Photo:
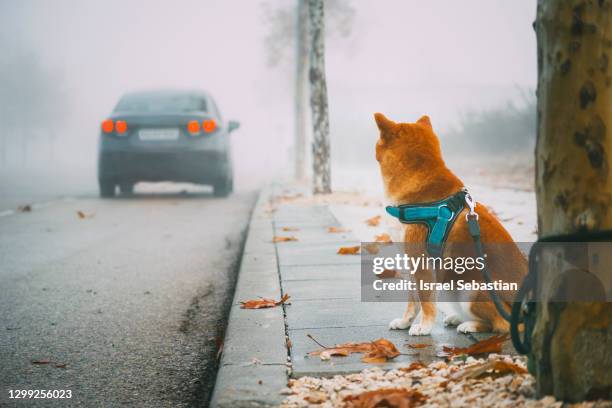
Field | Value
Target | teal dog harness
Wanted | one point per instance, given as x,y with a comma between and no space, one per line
438,216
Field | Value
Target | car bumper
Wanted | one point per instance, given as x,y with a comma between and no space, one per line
203,167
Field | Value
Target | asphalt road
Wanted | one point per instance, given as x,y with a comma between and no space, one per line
130,298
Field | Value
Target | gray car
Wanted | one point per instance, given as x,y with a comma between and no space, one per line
165,136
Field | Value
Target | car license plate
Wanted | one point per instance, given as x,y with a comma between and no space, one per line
158,134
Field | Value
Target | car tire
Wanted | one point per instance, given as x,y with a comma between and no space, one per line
223,188
107,189
126,188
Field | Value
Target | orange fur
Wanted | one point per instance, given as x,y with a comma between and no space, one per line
413,171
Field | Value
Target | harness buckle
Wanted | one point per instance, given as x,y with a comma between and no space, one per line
469,201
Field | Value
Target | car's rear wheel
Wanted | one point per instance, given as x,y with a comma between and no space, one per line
107,188
224,188
126,188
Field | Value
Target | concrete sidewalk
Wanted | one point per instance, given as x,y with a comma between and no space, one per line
325,303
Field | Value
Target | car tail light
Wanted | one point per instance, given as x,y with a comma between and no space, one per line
108,126
209,125
193,127
121,126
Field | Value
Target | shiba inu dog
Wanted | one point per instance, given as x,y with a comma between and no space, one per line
413,171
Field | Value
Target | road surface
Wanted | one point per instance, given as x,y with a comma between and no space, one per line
130,298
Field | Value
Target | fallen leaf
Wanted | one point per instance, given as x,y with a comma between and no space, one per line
60,365
337,230
417,365
263,303
491,345
289,229
382,351
41,362
377,351
374,221
384,237
284,239
353,250
385,397
372,248
389,273
316,397
493,368
418,345
82,215
24,208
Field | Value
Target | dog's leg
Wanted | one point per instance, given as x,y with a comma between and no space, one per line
485,319
427,300
404,322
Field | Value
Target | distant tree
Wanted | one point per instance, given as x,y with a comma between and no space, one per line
321,165
510,128
30,102
288,37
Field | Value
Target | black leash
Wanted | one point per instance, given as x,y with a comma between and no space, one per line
520,313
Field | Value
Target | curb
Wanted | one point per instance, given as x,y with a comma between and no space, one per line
253,366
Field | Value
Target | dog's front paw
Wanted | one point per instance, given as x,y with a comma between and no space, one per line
452,320
400,324
473,326
420,329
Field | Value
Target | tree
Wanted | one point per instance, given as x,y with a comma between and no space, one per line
318,100
288,36
571,341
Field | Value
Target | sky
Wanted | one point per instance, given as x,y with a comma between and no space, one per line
403,57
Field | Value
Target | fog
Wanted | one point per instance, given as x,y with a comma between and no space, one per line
66,62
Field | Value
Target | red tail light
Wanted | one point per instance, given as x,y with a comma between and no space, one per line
121,126
209,125
108,126
193,127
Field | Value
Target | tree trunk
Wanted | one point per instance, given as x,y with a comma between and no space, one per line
571,341
318,100
301,90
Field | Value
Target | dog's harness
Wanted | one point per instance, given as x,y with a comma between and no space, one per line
438,216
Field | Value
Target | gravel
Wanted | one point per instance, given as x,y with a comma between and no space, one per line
442,384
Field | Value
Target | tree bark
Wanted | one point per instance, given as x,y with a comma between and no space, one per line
571,341
301,90
318,100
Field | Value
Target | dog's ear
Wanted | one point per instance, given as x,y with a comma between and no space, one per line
383,123
424,121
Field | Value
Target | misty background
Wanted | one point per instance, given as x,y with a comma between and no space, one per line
470,65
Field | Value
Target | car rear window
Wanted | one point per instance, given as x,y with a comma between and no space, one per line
155,103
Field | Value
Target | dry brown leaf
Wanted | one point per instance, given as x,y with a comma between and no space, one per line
384,237
372,248
378,351
24,208
389,273
374,221
418,345
353,250
336,230
385,397
41,362
417,365
316,397
289,229
283,239
491,345
493,368
82,215
382,351
263,303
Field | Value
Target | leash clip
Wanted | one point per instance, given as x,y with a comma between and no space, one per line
469,201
